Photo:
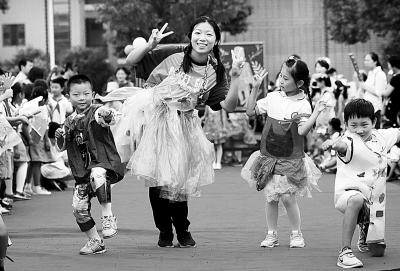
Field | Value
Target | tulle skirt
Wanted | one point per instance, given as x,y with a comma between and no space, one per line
299,183
172,153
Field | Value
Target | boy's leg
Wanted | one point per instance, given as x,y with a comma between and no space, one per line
350,203
102,188
162,217
81,210
354,205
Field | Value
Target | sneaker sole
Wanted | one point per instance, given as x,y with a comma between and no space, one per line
165,246
97,252
298,246
274,245
188,246
110,236
349,266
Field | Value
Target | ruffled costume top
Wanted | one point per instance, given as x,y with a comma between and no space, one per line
281,165
162,131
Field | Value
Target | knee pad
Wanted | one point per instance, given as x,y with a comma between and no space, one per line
101,185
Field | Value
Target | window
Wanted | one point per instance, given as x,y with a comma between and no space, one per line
94,33
13,35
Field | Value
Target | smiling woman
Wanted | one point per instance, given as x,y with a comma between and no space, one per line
170,150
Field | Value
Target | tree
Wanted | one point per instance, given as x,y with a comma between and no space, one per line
36,55
126,20
352,21
4,6
91,62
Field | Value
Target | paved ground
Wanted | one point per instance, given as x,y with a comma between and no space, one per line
228,223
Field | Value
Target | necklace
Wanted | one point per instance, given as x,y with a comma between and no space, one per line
201,91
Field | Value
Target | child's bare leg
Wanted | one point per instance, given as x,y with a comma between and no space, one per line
271,210
93,234
293,211
219,153
21,176
354,205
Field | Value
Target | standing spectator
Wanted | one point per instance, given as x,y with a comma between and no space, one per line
121,80
59,106
373,88
24,66
70,70
215,129
35,73
392,91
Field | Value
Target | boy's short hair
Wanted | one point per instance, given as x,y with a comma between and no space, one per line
359,108
59,80
78,79
394,61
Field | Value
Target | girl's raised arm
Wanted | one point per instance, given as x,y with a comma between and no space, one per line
251,102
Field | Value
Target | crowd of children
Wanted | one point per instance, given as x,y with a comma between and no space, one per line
156,133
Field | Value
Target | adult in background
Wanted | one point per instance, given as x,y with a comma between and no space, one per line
121,80
392,91
373,88
24,66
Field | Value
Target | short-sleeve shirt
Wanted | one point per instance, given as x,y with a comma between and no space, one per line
376,143
172,56
279,106
59,109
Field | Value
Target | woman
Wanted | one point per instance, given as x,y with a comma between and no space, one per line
392,91
173,155
121,80
374,86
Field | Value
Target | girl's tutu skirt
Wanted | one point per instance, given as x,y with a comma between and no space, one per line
303,176
170,150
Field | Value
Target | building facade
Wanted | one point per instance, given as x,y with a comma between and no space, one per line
285,26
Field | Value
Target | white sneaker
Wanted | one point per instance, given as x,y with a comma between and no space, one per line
109,226
38,190
4,211
271,240
347,259
297,240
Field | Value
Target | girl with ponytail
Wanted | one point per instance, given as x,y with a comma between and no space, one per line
281,168
170,150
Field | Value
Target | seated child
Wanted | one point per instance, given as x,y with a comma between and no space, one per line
94,161
360,185
334,131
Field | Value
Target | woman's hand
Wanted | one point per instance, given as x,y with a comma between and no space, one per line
157,36
259,78
237,64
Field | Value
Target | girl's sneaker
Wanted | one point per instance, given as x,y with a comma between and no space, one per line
347,259
297,240
93,246
21,196
271,240
38,190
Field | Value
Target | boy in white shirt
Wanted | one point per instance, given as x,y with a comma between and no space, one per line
59,106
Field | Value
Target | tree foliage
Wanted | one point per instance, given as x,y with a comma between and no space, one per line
91,62
4,6
126,20
352,21
36,55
